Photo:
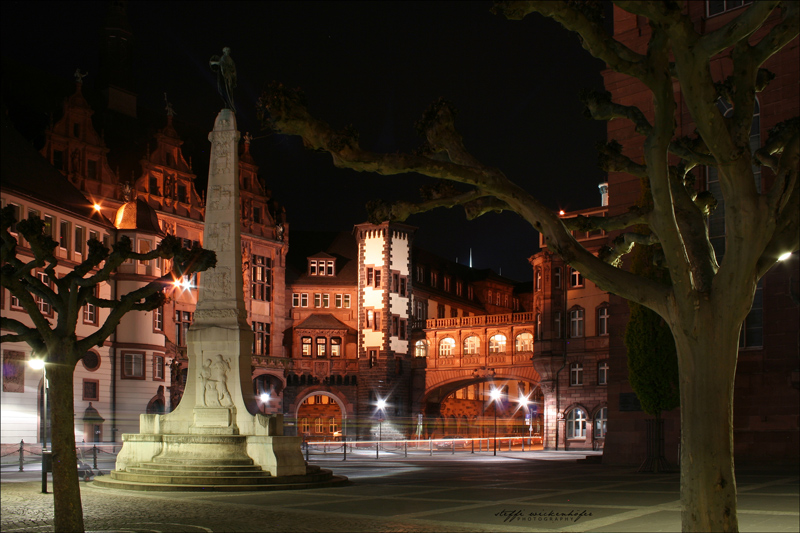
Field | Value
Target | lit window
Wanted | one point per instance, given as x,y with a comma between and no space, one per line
602,373
312,267
497,344
262,278
576,323
306,343
90,311
318,425
332,425
336,346
447,347
576,424
329,268
420,349
322,344
575,374
338,301
304,427
524,342
600,419
602,321
347,301
158,319
44,307
261,331
472,345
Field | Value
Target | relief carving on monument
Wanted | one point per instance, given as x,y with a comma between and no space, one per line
221,197
214,380
217,281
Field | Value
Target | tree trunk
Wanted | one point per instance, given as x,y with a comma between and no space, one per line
708,366
66,487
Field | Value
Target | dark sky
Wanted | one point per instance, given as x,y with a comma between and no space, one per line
376,65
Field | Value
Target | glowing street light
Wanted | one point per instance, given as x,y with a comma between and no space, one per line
264,400
38,364
495,394
523,402
96,207
784,256
381,407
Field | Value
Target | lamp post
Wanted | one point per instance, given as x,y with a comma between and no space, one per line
523,401
38,364
495,394
381,408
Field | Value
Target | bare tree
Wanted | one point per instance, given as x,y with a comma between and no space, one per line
57,343
707,300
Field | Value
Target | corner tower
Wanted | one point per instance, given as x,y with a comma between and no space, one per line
384,313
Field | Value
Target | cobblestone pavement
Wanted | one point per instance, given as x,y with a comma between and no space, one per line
531,491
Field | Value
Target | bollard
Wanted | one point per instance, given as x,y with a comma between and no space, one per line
453,446
377,446
344,446
307,447
473,445
523,444
21,454
94,456
405,448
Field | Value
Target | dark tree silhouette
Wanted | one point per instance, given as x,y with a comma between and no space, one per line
57,343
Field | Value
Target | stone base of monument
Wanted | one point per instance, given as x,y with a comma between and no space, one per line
214,463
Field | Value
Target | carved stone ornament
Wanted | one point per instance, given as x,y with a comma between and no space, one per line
214,380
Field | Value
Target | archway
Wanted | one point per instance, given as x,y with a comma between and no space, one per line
321,415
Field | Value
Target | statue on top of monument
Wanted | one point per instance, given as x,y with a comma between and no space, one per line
226,76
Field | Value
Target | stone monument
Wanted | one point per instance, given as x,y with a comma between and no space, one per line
216,427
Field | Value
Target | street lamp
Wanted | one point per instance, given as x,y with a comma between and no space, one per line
38,364
524,401
381,408
495,394
264,401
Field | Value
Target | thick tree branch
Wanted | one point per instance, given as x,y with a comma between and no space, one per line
737,29
593,36
779,35
777,139
623,244
475,203
635,215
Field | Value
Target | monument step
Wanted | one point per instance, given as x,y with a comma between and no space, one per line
192,479
202,462
204,467
196,472
298,483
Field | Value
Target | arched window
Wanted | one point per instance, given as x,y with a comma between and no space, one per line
421,349
576,424
472,345
497,344
524,342
576,323
602,321
600,418
447,347
538,279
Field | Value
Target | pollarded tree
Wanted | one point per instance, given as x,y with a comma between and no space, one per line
57,343
707,299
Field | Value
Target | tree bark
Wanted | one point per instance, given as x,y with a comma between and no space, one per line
66,486
708,366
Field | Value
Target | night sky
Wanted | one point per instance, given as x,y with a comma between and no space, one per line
376,65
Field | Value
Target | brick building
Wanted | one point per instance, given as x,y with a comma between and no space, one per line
766,390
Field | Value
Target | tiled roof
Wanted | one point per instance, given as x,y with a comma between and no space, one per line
322,321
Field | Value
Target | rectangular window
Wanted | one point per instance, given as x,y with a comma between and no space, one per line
13,371
576,279
602,321
440,311
717,7
317,299
48,225
182,196
470,292
557,278
377,278
318,426
94,236
79,240
158,368
403,327
257,214
44,307
329,268
322,344
262,278
261,338
63,236
338,301
304,299
447,283
91,390
575,374
347,301
395,325
459,288
602,373
312,267
158,319
576,323
435,279
90,311
133,366
296,299
420,273
306,346
336,346
403,282
370,276
326,300
183,319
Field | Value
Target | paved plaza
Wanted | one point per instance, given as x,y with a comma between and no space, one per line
515,491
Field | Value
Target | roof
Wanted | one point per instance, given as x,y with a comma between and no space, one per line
137,215
323,321
340,246
25,172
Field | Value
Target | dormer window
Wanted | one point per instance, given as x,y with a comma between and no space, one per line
321,267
